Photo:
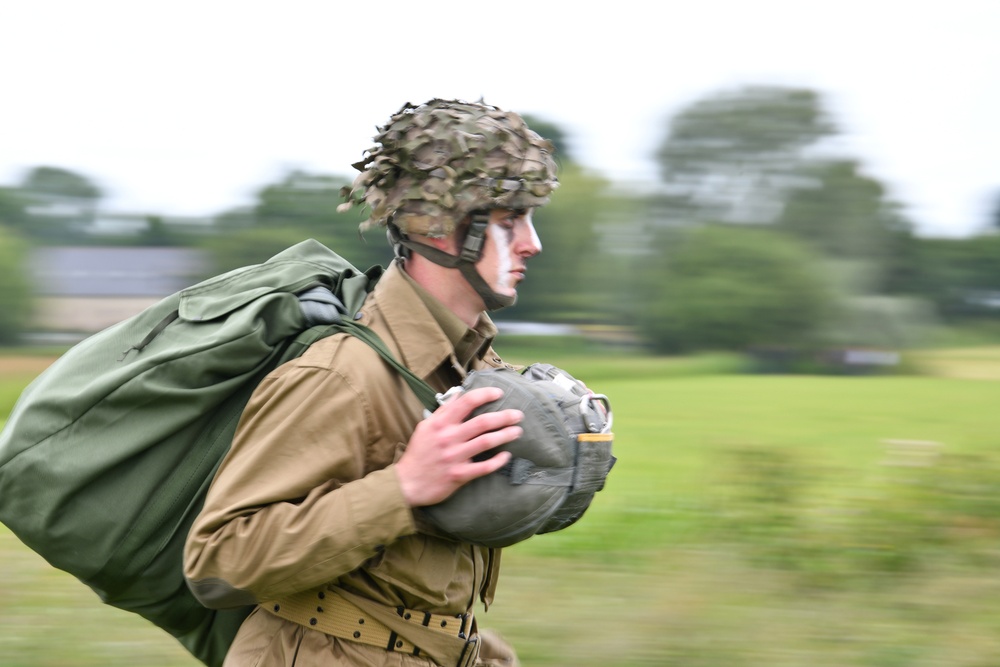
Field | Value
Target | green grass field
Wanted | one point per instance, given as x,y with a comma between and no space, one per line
750,520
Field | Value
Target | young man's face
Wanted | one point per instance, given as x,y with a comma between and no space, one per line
510,241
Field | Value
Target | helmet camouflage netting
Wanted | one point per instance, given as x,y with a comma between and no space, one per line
439,161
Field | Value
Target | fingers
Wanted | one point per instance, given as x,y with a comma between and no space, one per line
487,440
476,469
462,405
442,453
485,430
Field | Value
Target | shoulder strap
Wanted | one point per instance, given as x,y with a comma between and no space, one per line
424,392
322,307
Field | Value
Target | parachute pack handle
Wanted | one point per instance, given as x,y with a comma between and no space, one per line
141,345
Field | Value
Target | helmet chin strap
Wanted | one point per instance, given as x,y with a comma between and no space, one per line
465,261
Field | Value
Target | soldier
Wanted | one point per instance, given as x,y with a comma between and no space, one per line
313,514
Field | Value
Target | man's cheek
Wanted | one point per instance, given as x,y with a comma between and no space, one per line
501,238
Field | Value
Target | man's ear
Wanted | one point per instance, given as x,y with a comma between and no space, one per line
445,243
457,237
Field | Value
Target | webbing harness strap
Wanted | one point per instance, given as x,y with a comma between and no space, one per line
325,314
447,640
423,391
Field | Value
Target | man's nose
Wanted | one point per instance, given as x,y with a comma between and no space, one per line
529,244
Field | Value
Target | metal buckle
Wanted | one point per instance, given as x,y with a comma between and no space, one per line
470,653
606,402
450,394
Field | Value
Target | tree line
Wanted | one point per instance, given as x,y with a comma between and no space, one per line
754,238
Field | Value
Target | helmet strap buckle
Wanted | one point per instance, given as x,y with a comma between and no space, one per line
396,239
472,247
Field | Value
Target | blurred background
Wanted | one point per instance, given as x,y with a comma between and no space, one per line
776,246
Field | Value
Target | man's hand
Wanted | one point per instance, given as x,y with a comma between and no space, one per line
439,457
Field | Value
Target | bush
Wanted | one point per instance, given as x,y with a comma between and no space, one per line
918,509
15,288
731,288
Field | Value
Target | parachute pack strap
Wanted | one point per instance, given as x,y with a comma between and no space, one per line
423,391
594,461
523,471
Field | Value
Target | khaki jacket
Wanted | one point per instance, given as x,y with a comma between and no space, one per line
308,495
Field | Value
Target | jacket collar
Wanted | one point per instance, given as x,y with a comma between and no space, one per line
427,333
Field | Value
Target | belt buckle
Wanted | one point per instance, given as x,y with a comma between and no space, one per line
470,653
465,629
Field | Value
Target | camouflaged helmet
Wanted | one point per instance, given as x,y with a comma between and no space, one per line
437,162
557,465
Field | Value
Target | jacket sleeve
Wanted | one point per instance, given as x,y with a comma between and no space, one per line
292,506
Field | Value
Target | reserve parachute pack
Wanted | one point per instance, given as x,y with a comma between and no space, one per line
560,460
107,456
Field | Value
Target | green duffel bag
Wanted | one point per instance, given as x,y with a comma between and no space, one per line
107,456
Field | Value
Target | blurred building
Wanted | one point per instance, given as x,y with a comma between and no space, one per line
86,289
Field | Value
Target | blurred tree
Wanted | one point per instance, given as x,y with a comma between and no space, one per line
59,204
841,212
234,219
995,221
308,203
845,215
731,156
159,233
16,297
300,200
62,182
570,280
961,276
12,208
245,247
731,287
301,205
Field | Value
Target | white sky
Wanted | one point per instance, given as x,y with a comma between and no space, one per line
188,106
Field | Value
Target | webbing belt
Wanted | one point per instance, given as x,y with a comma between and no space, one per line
441,638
